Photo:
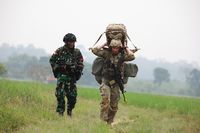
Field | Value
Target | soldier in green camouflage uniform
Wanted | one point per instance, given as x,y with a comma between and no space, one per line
67,66
109,89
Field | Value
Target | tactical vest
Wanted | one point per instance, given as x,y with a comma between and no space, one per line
108,71
101,67
65,57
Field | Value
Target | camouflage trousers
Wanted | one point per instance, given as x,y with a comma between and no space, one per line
110,96
65,88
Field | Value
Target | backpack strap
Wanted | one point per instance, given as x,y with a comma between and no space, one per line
131,41
98,39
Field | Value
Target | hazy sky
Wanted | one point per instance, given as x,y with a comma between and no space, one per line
163,29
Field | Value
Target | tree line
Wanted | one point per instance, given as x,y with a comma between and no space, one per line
27,67
30,63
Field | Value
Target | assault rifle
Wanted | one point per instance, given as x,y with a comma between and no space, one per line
118,79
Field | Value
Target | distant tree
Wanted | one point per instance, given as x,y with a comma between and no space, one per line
161,75
3,70
29,67
44,60
18,64
38,72
193,79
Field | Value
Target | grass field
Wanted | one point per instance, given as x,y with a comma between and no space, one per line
28,107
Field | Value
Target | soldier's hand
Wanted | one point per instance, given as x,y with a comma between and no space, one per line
55,67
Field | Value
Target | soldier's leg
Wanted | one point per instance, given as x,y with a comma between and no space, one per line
105,101
60,95
71,93
114,99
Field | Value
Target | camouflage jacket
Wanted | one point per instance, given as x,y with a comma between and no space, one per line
66,61
117,60
105,53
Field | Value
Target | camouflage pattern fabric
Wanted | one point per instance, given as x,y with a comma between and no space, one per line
65,88
63,57
110,96
66,63
109,89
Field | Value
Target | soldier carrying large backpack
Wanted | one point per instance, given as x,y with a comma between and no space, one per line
110,69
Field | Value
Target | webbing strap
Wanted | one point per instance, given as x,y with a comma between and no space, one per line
98,39
105,32
131,41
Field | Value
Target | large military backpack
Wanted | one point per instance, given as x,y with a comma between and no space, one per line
130,70
116,32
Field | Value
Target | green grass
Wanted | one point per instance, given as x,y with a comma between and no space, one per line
23,103
181,105
90,94
30,107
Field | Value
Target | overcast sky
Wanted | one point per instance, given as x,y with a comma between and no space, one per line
163,29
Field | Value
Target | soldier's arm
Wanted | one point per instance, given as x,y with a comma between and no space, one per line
80,60
129,55
53,59
99,51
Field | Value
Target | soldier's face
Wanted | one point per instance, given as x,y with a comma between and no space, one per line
71,44
115,50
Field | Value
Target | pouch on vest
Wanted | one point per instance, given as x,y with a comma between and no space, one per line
130,70
97,68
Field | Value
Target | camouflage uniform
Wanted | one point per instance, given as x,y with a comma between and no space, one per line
109,89
61,62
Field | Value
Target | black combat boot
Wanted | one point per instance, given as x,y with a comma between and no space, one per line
60,113
109,122
69,113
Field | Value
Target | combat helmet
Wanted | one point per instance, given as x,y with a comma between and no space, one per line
69,37
115,43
